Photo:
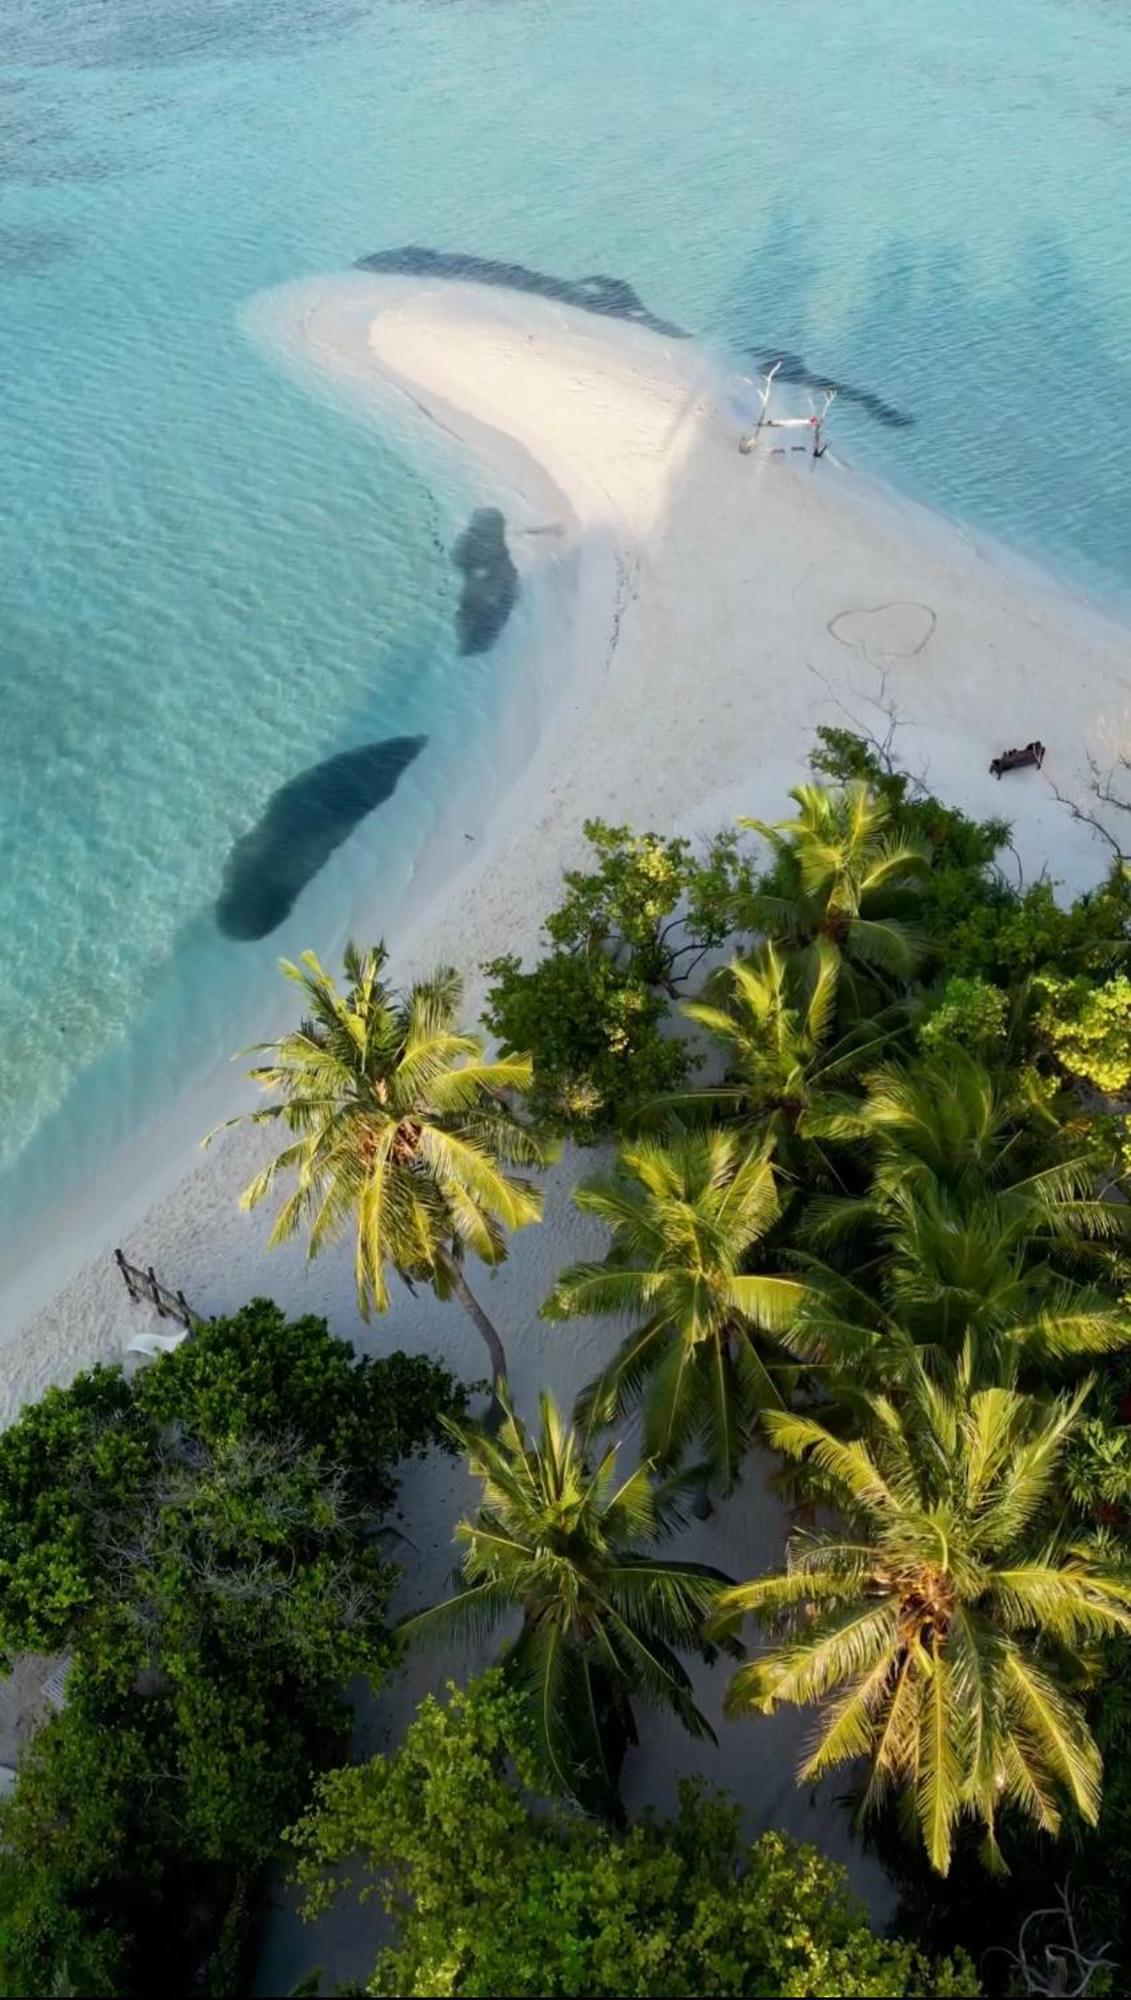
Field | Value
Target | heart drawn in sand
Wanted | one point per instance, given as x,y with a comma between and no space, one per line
885,632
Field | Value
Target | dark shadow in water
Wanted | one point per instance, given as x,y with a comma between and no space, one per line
38,144
612,297
1005,457
794,368
490,580
25,252
137,34
615,299
46,123
305,820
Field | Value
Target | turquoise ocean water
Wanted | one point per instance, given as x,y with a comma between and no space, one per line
210,580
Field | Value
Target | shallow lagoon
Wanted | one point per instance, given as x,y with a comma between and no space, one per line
213,582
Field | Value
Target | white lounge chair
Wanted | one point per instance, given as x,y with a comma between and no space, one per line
149,1345
55,1686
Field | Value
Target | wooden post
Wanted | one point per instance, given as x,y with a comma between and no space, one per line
127,1274
819,445
145,1284
749,444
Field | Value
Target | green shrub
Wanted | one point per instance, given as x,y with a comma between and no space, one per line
971,1014
630,931
203,1544
1089,1029
650,904
595,1033
490,1897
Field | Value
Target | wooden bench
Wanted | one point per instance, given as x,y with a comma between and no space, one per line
1018,760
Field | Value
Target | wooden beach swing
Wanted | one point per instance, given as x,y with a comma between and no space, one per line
814,423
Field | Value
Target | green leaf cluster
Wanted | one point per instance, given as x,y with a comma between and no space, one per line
650,903
572,1546
629,931
204,1544
596,1032
1089,1029
971,1014
400,1129
492,1893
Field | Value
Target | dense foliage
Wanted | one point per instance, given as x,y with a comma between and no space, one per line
490,1897
205,1546
628,935
869,1204
941,1609
924,1068
571,1544
402,1131
687,1222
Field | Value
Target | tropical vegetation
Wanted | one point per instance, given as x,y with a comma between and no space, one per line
628,935
203,1548
943,1622
865,1210
843,876
685,1219
487,1891
569,1545
403,1133
790,1058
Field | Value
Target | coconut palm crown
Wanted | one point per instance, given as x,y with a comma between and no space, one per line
845,873
685,1219
774,1013
941,1626
401,1132
947,1122
569,1546
964,1245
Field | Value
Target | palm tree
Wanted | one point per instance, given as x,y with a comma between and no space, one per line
844,872
942,1624
956,1287
566,1545
775,1013
685,1218
402,1133
969,1249
946,1122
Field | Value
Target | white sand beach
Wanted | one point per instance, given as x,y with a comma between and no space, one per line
725,605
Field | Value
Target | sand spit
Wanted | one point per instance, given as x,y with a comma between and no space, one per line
724,605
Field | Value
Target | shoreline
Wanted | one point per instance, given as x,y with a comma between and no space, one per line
615,448
724,606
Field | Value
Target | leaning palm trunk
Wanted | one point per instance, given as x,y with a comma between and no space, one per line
458,1284
402,1130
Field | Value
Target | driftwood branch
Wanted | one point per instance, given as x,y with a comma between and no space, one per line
1101,782
882,747
1085,817
1060,1968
